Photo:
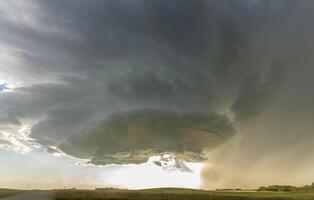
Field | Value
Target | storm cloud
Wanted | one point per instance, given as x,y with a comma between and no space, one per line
120,81
77,66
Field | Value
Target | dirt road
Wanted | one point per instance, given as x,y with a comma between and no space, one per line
45,195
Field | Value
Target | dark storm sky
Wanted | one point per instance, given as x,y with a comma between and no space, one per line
119,81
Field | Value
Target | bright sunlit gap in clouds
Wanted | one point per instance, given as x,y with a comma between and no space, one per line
36,169
150,175
144,175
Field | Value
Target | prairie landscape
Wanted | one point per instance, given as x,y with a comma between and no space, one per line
167,99
274,193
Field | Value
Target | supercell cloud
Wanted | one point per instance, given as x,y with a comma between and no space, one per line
120,81
117,82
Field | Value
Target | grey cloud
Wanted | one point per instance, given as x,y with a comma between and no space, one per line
95,76
133,136
256,91
96,39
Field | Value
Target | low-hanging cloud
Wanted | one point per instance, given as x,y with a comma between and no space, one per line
117,82
133,136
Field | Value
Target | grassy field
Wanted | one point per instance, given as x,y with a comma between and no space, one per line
182,194
172,194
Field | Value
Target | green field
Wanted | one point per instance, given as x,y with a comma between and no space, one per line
184,194
170,194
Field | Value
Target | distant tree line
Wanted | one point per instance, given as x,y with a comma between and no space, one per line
284,188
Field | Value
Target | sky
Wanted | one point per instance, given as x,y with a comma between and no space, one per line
198,94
